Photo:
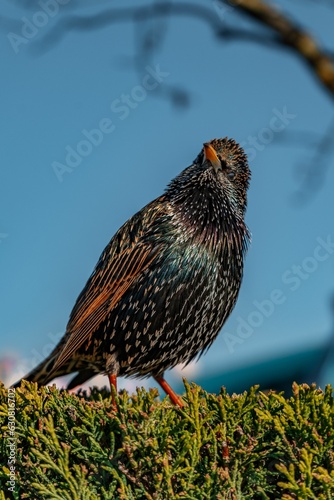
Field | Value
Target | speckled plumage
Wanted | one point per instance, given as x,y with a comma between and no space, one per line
165,284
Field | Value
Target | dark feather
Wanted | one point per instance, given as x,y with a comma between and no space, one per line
167,281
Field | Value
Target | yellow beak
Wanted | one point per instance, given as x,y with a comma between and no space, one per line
211,155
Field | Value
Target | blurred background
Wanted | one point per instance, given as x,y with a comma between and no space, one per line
103,103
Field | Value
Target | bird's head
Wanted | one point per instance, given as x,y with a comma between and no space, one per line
219,177
227,162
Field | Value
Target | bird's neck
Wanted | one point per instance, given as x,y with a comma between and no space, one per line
212,223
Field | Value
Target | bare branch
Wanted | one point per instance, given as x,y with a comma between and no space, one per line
141,14
283,31
292,36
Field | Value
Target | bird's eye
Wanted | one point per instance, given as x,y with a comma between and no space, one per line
231,175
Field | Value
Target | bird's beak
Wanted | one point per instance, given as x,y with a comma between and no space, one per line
211,155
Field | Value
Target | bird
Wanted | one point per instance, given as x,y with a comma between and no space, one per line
167,281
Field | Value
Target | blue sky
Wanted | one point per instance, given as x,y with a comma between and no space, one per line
53,227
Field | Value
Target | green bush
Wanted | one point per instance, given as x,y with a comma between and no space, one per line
247,446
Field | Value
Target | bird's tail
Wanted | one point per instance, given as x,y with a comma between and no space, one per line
45,372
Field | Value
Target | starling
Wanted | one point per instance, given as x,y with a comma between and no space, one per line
167,281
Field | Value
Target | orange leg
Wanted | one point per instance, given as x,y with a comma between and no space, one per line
168,390
113,383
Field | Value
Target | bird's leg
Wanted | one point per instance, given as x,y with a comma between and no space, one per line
168,390
113,383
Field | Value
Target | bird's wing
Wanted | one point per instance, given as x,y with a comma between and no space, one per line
126,257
